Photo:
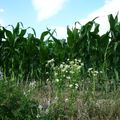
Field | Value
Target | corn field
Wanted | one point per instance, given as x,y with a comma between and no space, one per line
46,78
23,56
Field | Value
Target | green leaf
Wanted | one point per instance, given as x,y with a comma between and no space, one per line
16,29
43,35
96,30
8,34
22,33
111,21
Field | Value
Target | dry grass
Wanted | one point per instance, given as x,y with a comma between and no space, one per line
67,105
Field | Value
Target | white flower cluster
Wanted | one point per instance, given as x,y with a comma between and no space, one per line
69,72
93,72
32,84
76,85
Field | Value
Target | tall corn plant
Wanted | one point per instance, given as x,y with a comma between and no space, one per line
114,47
83,42
10,50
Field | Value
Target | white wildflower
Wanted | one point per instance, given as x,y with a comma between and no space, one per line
64,75
101,72
72,72
61,66
90,69
50,61
47,111
55,73
47,80
47,73
70,85
71,62
79,60
63,70
57,80
66,67
1,75
38,116
76,60
68,77
76,85
66,99
79,67
40,107
24,93
68,59
56,98
32,84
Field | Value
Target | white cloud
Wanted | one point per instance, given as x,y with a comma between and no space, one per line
60,30
110,7
47,8
1,10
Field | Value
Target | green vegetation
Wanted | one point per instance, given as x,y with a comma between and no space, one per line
60,79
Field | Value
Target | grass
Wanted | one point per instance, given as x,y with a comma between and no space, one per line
68,94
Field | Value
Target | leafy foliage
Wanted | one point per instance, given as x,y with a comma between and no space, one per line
25,55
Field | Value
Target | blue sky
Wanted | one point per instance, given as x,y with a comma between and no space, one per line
40,14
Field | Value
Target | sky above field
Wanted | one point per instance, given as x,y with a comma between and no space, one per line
56,14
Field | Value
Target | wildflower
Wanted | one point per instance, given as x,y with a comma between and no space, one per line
76,60
38,116
95,73
71,62
82,64
101,72
72,72
47,80
40,107
56,98
47,73
61,66
64,75
70,85
50,61
75,65
68,77
66,71
76,85
68,59
24,93
57,80
66,99
1,75
55,73
47,111
63,70
32,84
79,67
90,69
